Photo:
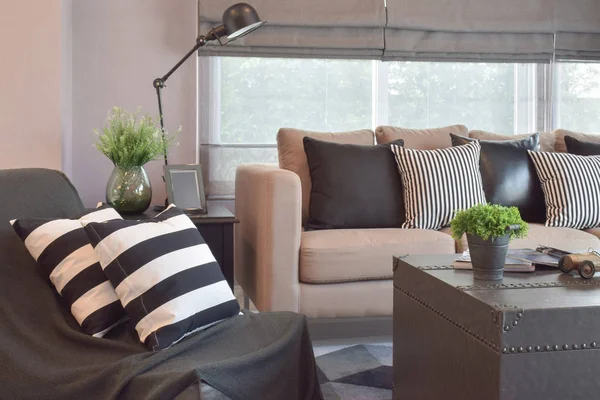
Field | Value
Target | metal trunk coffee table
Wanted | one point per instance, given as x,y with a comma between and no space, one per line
530,336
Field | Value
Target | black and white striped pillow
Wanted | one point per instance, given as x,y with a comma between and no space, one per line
437,183
63,251
164,274
571,186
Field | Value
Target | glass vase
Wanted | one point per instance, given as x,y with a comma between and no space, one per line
128,190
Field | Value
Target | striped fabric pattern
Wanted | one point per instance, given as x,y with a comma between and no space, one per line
164,274
63,251
571,186
437,183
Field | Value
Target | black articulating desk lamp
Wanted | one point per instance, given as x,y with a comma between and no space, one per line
238,20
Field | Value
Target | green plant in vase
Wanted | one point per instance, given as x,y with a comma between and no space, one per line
489,229
130,140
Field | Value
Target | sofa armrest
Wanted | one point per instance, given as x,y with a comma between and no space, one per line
267,239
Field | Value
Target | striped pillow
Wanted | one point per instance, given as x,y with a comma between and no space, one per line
571,188
437,183
63,251
164,274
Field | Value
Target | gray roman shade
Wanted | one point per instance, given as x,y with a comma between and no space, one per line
307,28
577,29
451,30
470,30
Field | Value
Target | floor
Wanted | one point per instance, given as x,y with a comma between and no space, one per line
355,369
363,364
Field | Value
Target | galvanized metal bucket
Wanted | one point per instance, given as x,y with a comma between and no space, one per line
488,256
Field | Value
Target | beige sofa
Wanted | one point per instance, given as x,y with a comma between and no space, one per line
342,273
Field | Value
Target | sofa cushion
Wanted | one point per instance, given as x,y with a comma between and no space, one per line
595,232
353,186
539,235
347,300
290,148
420,139
348,255
571,188
547,139
560,145
509,176
437,183
581,147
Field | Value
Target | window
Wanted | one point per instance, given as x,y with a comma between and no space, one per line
578,97
479,95
261,95
249,99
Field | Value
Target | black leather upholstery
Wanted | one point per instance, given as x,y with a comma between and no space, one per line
582,148
353,186
528,337
509,176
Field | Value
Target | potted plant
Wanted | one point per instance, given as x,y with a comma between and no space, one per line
130,140
489,229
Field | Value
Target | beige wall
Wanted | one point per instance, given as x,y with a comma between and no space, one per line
66,63
118,49
30,93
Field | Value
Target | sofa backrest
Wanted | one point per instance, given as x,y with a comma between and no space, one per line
36,192
290,148
420,139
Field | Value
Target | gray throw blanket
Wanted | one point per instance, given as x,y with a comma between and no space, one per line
44,355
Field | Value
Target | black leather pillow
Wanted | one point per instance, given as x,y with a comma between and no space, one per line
509,176
582,148
353,186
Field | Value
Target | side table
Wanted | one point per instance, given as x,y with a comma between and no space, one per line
216,228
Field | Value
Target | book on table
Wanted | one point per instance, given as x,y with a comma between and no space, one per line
520,260
542,255
511,265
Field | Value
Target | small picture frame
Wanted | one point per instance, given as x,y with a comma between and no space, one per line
185,188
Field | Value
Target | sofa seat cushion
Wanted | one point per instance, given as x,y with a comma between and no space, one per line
539,235
348,255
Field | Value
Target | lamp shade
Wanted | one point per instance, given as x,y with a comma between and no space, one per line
241,19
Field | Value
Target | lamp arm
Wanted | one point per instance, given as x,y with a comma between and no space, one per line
200,42
159,84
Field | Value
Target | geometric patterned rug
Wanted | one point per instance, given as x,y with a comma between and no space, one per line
357,372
